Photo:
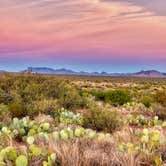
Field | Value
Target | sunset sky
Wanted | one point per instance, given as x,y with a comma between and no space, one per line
89,35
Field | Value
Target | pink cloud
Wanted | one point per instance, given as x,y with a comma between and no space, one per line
81,26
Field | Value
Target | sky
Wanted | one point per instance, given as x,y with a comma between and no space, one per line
89,35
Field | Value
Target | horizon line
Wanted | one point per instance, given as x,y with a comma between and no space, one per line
78,71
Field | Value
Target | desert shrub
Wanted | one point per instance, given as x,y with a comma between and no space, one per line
30,110
70,98
67,96
119,97
30,92
52,89
161,113
160,97
46,106
5,98
4,113
116,97
107,121
147,101
17,110
99,95
28,89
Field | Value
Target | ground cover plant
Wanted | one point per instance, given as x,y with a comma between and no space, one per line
52,120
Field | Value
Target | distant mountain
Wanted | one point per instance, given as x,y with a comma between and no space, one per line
3,71
46,70
149,73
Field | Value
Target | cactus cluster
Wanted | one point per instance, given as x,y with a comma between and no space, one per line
69,117
21,157
66,134
134,106
11,155
20,127
151,138
141,121
25,129
149,142
70,128
79,132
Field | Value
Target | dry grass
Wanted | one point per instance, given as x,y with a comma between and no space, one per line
82,152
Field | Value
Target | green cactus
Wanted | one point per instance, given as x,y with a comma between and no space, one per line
79,132
12,154
90,133
70,133
21,161
22,131
8,153
30,140
15,122
45,126
68,117
155,136
5,130
64,135
31,132
35,150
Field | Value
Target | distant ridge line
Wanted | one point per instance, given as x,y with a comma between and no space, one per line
64,71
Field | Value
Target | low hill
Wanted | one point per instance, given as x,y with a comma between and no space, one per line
149,73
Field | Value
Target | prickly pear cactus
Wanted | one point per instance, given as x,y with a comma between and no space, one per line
21,161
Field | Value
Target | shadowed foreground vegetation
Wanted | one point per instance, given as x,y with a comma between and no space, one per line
52,120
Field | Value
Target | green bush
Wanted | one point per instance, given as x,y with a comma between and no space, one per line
107,121
115,97
17,110
147,101
70,98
